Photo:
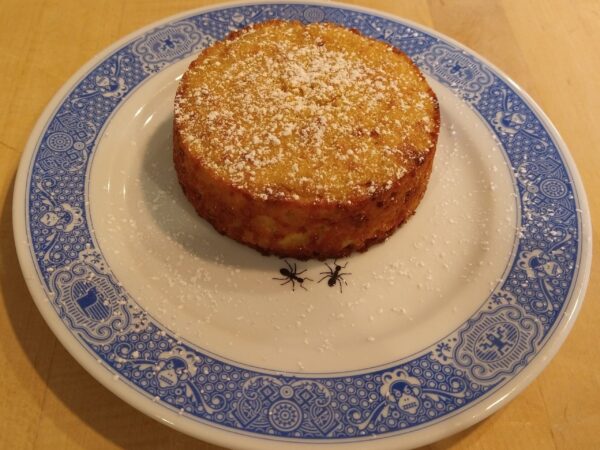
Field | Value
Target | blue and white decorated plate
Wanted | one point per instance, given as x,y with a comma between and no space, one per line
415,339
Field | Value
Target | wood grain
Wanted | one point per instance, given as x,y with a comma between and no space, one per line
550,48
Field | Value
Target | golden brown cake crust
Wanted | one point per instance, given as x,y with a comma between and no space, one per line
304,141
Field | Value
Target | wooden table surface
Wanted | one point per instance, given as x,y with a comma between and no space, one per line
552,49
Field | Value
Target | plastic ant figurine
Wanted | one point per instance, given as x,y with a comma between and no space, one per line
335,275
292,275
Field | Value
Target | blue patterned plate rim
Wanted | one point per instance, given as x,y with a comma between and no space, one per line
461,380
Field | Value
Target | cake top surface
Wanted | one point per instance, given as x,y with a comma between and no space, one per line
314,112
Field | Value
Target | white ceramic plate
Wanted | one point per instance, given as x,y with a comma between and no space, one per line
418,338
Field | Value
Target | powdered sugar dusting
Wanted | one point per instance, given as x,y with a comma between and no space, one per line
314,112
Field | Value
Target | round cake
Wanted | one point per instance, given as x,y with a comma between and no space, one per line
304,141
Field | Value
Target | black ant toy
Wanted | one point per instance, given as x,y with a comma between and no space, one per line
292,275
335,275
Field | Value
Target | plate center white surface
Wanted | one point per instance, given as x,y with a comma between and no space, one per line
401,296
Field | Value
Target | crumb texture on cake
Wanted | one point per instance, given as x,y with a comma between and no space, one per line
288,135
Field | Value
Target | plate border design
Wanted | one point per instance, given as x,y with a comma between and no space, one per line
547,276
